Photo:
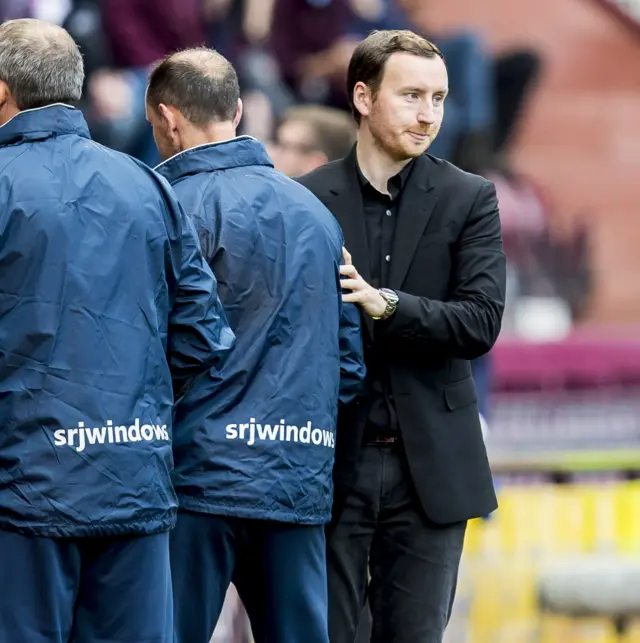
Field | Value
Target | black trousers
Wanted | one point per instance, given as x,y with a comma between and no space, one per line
382,547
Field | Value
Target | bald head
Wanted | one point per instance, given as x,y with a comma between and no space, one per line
200,83
40,64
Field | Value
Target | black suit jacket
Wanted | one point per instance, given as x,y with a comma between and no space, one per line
448,268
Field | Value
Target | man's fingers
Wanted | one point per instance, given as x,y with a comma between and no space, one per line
353,297
353,284
349,271
346,256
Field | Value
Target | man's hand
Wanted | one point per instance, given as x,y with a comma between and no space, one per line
366,296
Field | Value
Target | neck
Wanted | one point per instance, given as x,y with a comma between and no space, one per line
214,133
7,111
376,165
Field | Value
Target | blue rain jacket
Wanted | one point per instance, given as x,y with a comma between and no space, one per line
257,438
103,294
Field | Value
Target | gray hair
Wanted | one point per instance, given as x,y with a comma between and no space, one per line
40,63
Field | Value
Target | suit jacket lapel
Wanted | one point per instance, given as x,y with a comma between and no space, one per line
417,203
346,204
344,199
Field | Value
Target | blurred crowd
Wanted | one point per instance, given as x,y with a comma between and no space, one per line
288,53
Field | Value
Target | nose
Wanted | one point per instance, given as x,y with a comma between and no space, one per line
427,114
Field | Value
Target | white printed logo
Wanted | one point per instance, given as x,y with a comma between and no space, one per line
109,434
281,433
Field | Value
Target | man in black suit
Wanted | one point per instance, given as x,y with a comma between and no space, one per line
428,271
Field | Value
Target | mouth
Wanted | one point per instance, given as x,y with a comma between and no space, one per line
419,137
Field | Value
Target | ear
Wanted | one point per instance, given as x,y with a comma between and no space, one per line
316,159
362,98
166,113
239,111
8,107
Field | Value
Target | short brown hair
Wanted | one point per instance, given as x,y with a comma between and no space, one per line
199,82
370,58
332,130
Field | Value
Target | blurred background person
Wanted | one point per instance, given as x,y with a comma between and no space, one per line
310,136
138,32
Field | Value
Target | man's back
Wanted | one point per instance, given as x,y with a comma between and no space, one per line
92,247
275,251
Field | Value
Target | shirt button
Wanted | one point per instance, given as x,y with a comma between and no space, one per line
387,258
388,213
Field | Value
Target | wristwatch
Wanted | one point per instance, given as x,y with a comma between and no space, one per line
391,297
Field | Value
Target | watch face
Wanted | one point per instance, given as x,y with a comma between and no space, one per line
389,295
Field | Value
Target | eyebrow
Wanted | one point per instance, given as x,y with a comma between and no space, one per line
422,90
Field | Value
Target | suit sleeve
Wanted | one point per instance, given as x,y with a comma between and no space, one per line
199,335
468,324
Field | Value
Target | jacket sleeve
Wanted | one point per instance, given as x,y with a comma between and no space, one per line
199,335
468,324
352,369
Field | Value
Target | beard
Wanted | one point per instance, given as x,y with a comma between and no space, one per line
399,144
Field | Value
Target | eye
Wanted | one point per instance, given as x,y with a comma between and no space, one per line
439,98
412,96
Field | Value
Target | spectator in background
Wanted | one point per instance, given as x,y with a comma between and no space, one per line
234,26
139,33
310,136
104,295
311,45
491,90
239,30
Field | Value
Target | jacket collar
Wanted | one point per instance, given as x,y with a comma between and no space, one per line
42,123
241,151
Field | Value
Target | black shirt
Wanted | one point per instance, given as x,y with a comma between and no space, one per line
381,213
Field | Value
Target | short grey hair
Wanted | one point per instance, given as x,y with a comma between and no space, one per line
40,63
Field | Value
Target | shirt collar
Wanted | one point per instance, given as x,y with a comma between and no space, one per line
241,151
396,183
